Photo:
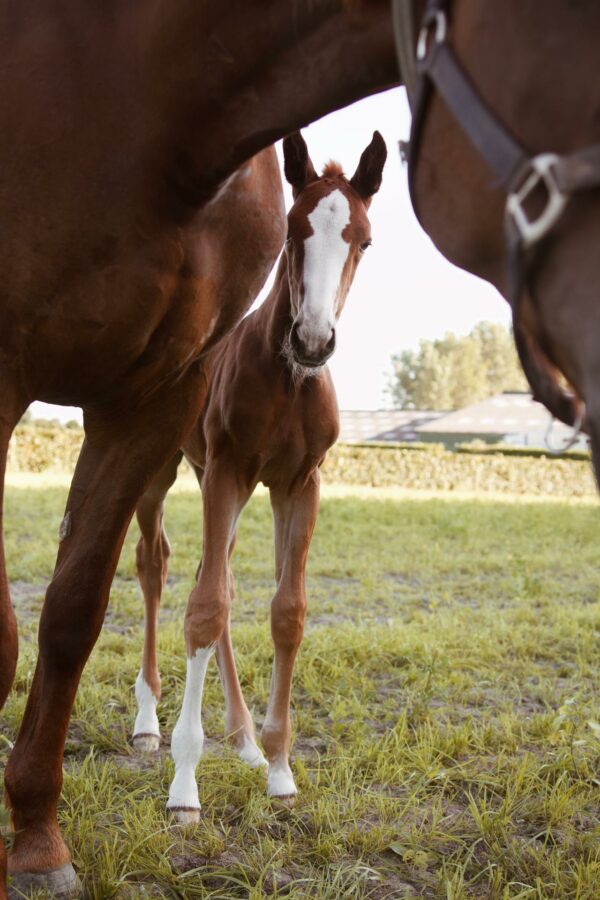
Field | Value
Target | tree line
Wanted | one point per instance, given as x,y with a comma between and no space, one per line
455,371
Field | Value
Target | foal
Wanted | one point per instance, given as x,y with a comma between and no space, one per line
270,416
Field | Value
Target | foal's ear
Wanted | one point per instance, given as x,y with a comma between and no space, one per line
366,181
298,167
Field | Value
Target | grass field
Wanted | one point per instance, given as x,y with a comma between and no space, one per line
445,708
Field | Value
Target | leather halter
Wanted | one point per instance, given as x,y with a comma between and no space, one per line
519,173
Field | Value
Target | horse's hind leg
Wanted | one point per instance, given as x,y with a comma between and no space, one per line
10,412
152,562
118,460
8,622
295,516
9,415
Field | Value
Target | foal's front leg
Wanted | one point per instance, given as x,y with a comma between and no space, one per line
206,618
152,563
295,516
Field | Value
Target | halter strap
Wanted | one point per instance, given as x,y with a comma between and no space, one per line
404,29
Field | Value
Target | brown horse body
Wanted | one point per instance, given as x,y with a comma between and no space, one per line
119,122
270,416
548,100
234,243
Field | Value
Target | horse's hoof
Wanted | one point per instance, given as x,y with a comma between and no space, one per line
60,883
146,743
184,815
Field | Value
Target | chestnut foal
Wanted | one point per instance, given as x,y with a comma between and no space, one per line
271,415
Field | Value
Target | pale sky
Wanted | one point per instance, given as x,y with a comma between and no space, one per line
404,288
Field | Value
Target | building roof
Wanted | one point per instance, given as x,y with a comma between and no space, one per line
512,416
504,414
399,425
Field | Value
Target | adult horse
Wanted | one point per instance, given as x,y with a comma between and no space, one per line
504,171
119,122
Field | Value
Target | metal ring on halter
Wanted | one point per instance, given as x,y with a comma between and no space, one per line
441,28
570,441
540,171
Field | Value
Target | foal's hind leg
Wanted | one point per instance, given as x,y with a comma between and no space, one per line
118,460
239,727
295,516
152,562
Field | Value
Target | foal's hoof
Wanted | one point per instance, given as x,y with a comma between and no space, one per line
184,815
286,801
60,883
281,787
146,743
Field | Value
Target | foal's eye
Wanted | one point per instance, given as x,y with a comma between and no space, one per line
365,246
288,242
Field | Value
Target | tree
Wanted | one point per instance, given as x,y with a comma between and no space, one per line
453,371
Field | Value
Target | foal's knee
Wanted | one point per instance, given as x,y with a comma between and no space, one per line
288,612
205,619
152,560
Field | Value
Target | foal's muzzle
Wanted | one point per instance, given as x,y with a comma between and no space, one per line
301,354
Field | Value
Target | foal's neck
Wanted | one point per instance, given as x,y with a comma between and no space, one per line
275,314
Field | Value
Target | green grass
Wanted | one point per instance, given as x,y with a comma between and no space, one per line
445,709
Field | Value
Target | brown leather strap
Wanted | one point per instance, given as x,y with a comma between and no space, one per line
503,154
579,171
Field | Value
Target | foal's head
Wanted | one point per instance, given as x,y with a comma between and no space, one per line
328,232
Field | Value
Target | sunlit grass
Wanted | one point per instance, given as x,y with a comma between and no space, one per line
445,708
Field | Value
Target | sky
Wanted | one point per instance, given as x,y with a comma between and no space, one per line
404,289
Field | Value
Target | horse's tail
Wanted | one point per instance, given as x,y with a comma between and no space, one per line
544,378
8,622
2,870
8,626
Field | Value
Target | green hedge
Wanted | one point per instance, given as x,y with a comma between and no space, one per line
414,466
478,447
38,448
444,470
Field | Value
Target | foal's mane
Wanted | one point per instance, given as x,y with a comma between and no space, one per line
333,169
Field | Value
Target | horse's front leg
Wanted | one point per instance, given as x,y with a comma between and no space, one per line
118,459
152,564
206,618
295,516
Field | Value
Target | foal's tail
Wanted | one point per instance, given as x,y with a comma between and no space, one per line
8,622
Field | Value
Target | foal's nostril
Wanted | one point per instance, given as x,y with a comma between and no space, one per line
331,343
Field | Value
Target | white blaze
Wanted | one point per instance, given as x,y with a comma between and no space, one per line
325,254
188,735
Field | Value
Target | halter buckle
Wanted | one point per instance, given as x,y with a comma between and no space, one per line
440,21
540,171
